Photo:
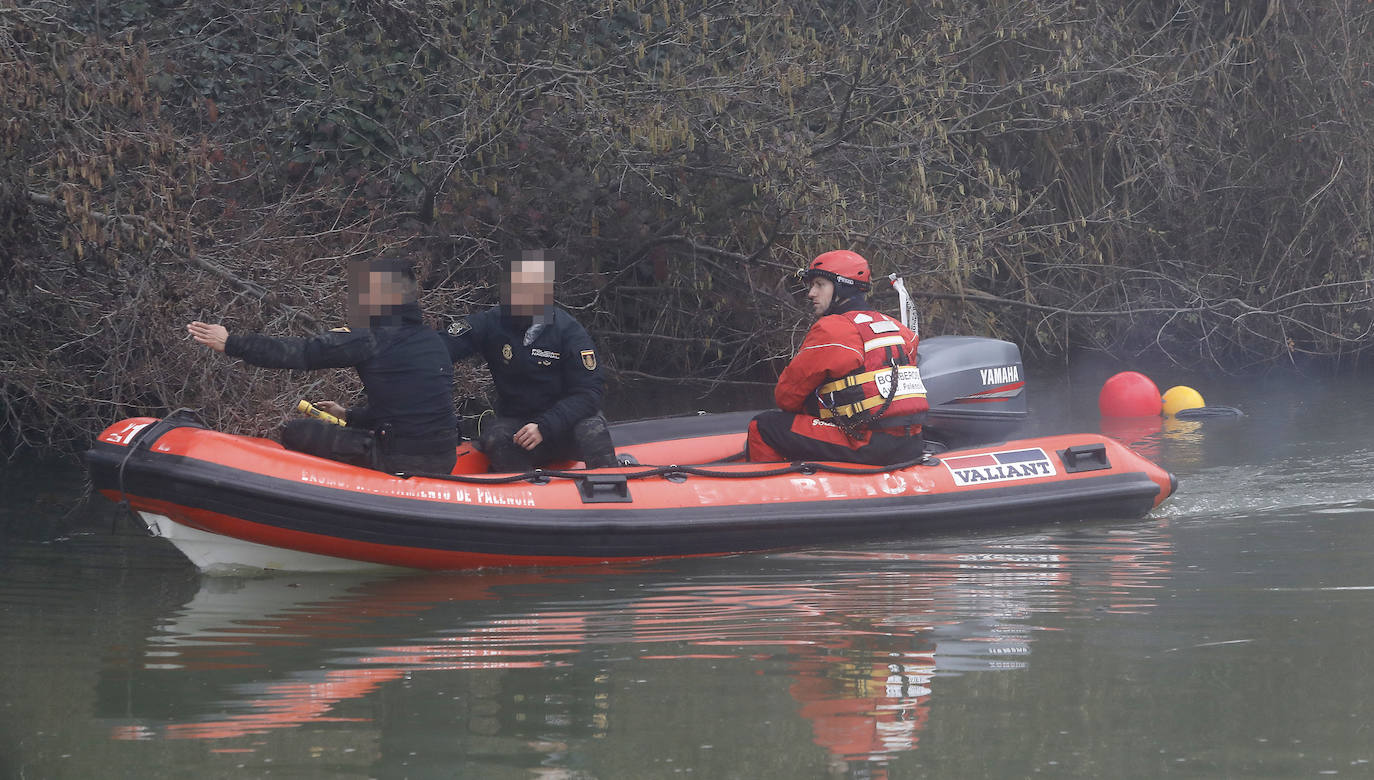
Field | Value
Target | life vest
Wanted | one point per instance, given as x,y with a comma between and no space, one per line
886,391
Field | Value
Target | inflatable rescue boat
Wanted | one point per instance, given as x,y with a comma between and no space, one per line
232,502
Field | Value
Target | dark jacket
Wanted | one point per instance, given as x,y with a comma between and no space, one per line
406,372
553,381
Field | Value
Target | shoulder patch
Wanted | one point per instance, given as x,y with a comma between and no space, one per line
589,359
861,318
458,327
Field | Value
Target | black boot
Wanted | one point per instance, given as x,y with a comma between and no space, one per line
593,438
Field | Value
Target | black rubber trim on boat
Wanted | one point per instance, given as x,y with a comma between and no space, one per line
144,439
516,531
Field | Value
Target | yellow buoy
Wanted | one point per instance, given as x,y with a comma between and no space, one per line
1180,397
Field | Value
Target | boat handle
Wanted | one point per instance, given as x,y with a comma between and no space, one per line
1084,457
604,489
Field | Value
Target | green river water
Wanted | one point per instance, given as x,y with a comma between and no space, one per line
1228,634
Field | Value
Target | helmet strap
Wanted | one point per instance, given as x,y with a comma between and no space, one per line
853,299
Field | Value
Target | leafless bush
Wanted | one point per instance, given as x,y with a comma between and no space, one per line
1172,177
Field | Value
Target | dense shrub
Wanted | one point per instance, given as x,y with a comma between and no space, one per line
1184,177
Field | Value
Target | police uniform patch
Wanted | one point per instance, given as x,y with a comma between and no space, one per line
506,352
458,327
589,359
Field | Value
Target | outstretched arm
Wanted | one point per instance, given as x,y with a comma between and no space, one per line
335,349
463,337
212,336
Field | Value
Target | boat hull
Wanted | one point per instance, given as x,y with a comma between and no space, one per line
218,553
197,487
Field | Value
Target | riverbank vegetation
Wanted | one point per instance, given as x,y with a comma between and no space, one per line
1185,179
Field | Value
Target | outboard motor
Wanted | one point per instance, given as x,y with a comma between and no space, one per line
976,388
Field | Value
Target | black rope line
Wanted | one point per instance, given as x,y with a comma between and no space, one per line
540,476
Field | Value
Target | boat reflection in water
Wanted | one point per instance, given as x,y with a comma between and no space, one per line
542,662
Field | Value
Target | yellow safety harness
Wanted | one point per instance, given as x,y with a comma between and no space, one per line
898,375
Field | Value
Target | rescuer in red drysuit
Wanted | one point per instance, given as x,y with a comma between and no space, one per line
852,393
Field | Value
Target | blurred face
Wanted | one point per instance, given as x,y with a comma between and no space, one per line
374,293
529,289
820,293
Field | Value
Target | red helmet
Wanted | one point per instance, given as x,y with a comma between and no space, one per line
841,267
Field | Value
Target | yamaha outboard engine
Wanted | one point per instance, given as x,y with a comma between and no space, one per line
975,386
976,389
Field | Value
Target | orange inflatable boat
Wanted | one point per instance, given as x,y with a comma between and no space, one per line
231,502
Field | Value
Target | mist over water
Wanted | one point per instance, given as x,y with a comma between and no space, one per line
1225,635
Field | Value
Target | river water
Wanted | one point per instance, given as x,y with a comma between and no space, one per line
1228,634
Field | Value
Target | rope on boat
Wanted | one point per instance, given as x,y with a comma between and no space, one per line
540,476
184,417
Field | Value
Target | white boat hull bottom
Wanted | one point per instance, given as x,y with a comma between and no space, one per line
223,555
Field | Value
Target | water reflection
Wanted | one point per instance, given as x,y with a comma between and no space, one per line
1240,615
1142,434
517,667
1180,445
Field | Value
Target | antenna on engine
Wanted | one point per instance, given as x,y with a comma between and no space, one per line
904,303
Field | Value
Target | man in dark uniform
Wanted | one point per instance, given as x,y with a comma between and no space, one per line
548,380
408,423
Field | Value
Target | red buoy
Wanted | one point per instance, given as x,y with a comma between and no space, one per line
1129,394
